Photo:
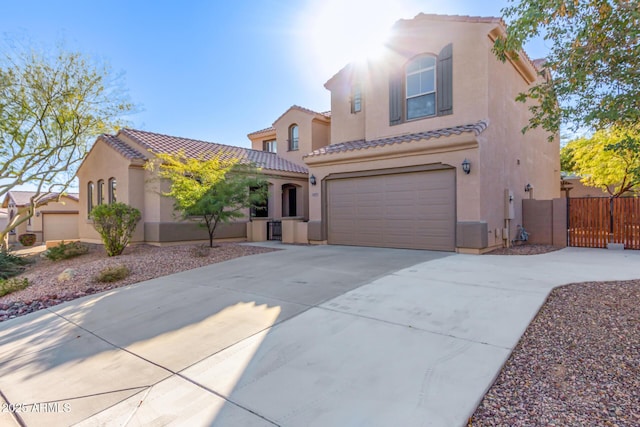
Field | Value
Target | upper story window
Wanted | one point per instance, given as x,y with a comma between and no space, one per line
356,98
112,190
421,87
90,188
269,146
100,199
293,137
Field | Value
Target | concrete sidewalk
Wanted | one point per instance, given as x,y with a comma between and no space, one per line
308,336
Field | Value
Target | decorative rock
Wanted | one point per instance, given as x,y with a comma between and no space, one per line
67,274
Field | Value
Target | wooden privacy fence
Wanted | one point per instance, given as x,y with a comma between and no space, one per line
596,221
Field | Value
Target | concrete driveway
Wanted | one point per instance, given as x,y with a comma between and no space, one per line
305,336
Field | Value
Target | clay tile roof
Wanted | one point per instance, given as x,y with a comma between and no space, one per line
539,63
121,147
23,198
326,114
477,128
266,130
195,148
461,18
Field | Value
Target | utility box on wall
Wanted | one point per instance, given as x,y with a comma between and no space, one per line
509,211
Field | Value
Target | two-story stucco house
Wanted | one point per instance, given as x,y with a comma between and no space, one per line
422,149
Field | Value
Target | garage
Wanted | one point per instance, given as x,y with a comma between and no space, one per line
59,225
400,210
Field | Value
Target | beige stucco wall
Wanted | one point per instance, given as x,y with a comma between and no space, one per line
413,38
306,133
257,140
103,162
510,159
580,190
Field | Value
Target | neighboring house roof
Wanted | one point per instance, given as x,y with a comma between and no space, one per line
160,143
362,144
23,198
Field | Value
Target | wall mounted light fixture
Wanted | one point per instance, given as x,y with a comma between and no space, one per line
312,180
528,188
466,166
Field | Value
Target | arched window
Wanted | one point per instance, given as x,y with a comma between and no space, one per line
112,190
293,137
100,199
90,187
421,87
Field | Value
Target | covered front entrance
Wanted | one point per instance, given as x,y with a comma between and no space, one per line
413,210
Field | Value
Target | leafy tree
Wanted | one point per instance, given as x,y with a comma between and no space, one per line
594,60
610,159
212,188
115,223
52,105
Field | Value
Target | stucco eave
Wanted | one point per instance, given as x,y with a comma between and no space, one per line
520,61
430,146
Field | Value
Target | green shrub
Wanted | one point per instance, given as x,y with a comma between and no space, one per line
115,223
8,286
27,239
66,251
11,265
113,274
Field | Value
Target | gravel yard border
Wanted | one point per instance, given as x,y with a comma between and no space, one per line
578,363
145,262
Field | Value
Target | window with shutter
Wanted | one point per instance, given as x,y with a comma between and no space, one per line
445,81
395,99
423,89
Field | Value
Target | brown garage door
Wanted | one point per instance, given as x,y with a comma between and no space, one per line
59,226
407,210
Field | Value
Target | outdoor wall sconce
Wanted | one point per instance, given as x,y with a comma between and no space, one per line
528,188
466,166
37,213
312,180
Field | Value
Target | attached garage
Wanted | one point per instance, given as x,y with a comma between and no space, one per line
59,225
413,210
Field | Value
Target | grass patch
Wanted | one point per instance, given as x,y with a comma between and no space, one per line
8,286
66,251
11,265
113,274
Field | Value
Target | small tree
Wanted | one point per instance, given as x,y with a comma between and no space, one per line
52,105
215,190
593,59
116,223
610,160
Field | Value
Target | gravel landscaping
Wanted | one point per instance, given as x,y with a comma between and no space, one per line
524,249
578,363
144,262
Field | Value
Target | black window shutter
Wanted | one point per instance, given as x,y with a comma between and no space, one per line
395,99
445,81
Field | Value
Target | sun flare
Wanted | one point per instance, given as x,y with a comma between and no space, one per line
337,32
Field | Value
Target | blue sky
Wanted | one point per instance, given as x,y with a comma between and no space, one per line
217,70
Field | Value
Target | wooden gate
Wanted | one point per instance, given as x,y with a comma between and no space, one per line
596,221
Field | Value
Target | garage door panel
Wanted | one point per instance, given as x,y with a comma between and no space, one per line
412,210
60,226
